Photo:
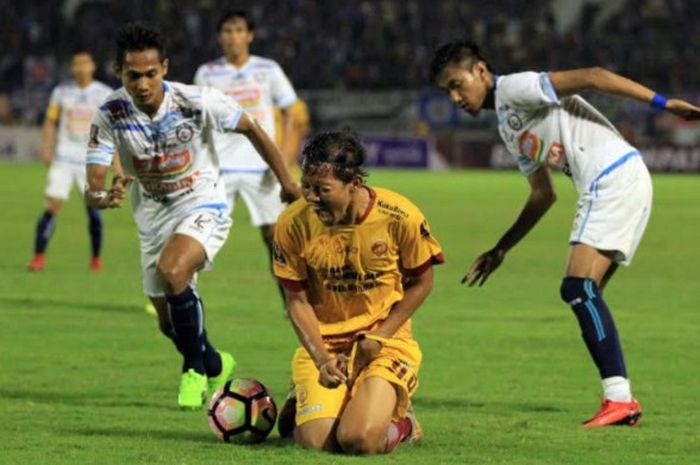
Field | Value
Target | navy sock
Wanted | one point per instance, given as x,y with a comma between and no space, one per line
212,359
95,227
188,323
597,325
44,229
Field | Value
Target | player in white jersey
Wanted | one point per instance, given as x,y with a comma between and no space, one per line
178,203
63,140
259,85
545,124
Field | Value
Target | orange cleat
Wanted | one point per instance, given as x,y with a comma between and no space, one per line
96,264
37,263
616,413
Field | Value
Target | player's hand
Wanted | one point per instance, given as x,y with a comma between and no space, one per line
290,192
483,266
117,193
333,372
683,109
366,351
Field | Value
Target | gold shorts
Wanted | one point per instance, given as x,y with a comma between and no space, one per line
398,362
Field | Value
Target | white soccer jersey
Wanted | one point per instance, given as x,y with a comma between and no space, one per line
537,127
258,86
75,108
175,175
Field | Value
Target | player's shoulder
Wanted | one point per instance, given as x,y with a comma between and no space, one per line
395,205
116,105
295,213
516,79
102,88
256,61
213,66
65,87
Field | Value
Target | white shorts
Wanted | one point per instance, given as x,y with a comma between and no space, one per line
260,191
207,227
613,214
61,177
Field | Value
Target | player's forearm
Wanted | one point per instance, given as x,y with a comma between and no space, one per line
414,296
306,327
536,206
95,193
48,139
601,80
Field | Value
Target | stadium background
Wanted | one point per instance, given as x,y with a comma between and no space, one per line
86,378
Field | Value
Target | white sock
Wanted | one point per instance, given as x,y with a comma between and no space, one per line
617,389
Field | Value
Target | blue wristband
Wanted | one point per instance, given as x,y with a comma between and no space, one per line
658,101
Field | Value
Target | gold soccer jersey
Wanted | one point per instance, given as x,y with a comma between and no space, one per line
353,273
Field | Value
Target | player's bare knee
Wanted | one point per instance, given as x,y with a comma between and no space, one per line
174,275
310,440
356,439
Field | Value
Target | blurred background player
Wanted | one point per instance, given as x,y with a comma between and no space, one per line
300,128
355,263
179,208
544,124
64,139
259,85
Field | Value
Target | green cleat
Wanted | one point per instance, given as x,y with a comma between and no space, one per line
228,363
192,390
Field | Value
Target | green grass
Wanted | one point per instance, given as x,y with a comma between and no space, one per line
86,377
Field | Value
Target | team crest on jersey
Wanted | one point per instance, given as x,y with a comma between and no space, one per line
379,248
514,121
277,254
184,133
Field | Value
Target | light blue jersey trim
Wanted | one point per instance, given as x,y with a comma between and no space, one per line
548,88
96,160
593,188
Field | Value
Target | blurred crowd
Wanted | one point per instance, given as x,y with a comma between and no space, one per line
361,44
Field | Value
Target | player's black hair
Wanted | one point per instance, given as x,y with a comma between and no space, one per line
136,37
229,15
463,52
340,149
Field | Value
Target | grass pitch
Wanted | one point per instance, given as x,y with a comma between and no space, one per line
87,378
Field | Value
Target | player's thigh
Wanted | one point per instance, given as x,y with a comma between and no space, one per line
585,261
317,434
313,401
59,181
261,193
181,255
366,417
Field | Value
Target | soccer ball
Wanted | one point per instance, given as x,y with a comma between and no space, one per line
242,411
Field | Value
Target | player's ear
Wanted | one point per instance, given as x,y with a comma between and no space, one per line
165,65
117,70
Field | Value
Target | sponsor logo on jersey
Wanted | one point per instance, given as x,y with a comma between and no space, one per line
530,146
159,188
555,154
424,230
246,96
117,109
94,142
163,166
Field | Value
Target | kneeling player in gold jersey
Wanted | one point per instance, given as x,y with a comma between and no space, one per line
356,263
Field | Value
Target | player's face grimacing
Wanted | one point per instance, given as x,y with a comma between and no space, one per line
466,88
330,197
235,37
142,76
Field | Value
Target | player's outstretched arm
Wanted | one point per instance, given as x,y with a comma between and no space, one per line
271,154
96,195
332,369
602,80
541,197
